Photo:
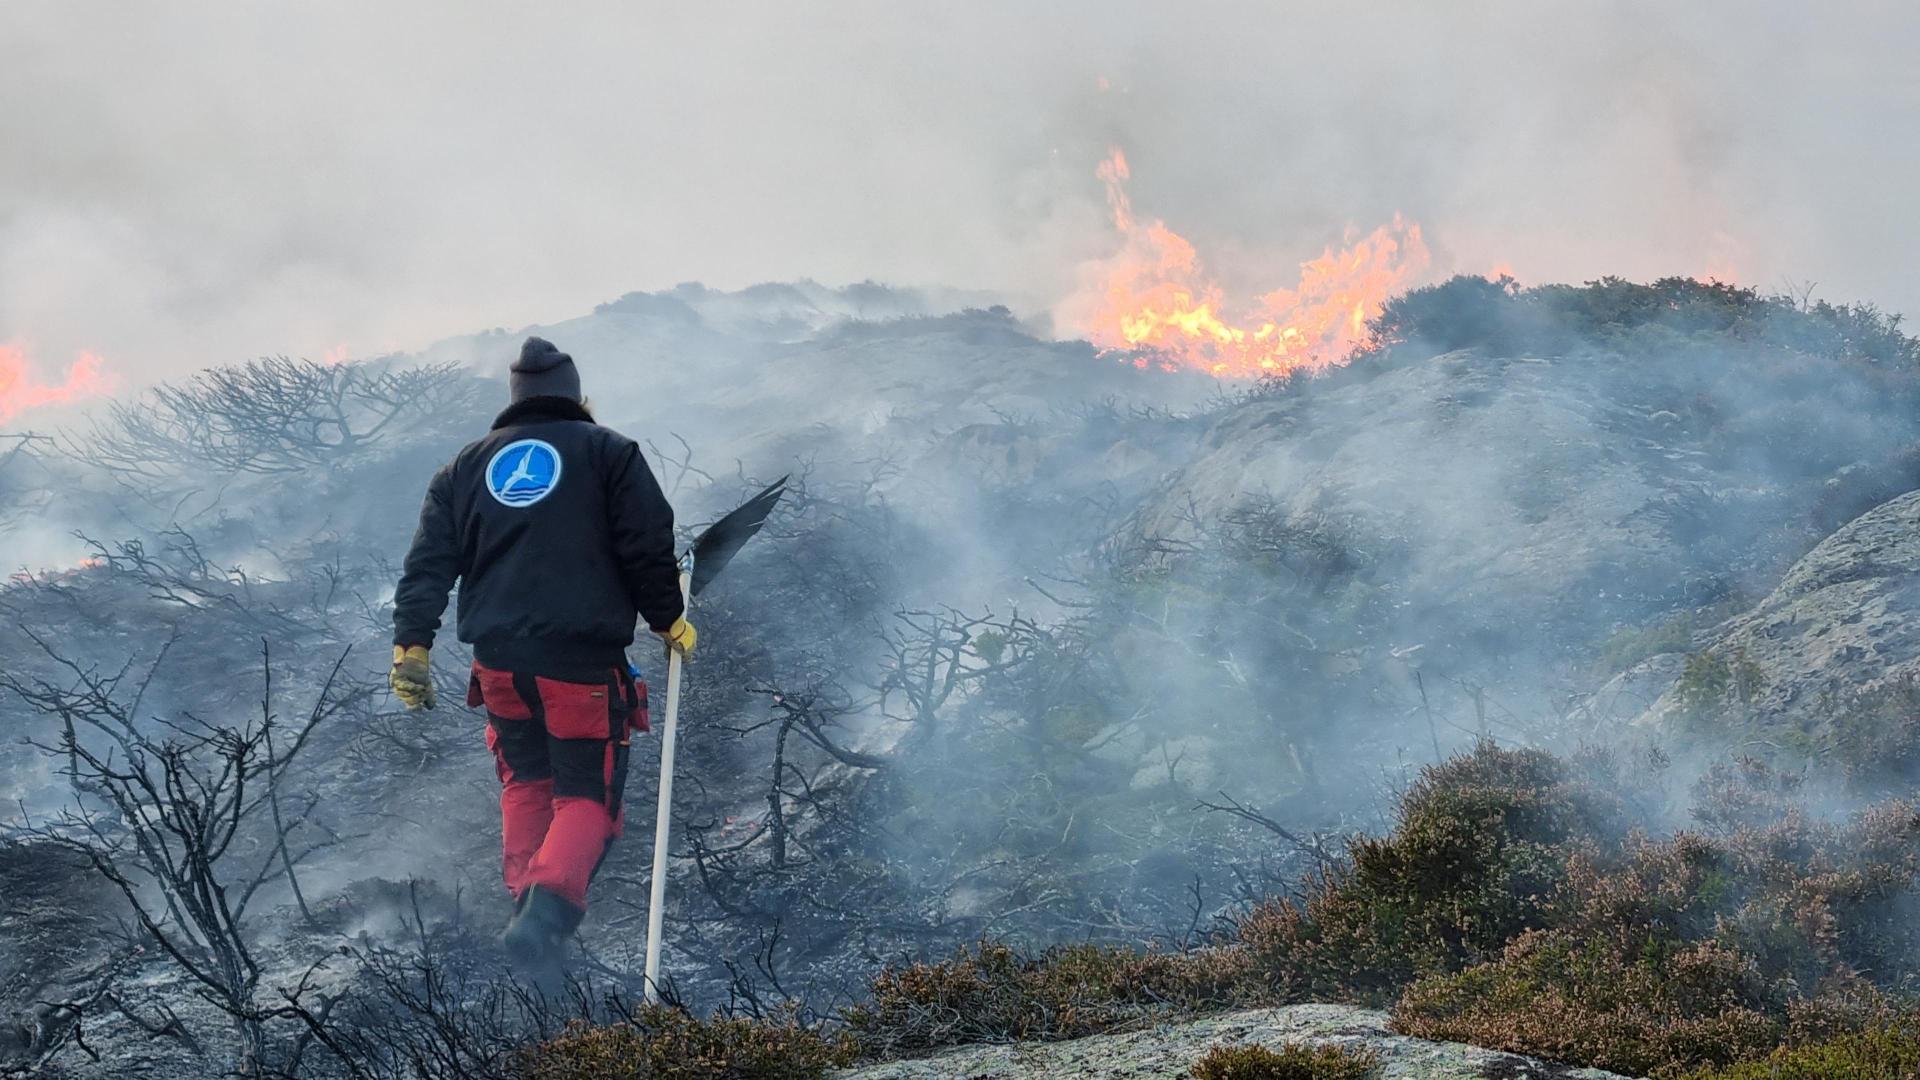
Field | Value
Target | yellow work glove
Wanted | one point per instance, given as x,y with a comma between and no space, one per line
680,637
411,677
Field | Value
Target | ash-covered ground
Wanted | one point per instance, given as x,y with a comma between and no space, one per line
1042,645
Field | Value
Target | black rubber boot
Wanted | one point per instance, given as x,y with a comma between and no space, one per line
536,937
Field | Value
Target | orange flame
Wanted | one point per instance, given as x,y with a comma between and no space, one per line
28,577
1156,297
19,391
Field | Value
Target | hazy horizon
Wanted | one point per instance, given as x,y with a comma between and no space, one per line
199,184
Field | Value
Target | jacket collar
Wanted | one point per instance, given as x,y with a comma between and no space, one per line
533,410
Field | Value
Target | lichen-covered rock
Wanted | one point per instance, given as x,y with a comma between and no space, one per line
1845,621
1169,1051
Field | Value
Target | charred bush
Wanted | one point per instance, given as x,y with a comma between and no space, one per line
273,416
189,820
1875,738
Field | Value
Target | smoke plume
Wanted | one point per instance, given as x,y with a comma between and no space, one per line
196,185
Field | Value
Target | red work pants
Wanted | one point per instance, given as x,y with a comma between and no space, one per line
560,749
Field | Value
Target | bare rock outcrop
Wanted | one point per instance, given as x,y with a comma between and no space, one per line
1844,622
1170,1050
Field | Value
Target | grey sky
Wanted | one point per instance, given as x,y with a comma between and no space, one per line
186,184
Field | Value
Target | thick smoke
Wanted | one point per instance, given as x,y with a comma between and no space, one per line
197,185
1018,623
1152,594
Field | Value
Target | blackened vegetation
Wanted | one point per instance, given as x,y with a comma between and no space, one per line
188,820
272,416
22,476
1029,764
932,776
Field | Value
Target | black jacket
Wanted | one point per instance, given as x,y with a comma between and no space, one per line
559,536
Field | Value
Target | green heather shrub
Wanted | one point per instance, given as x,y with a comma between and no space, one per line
668,1044
1664,316
1511,906
1667,955
1887,1050
1480,846
1874,738
1251,1061
1630,1004
1711,682
994,993
1630,645
1673,634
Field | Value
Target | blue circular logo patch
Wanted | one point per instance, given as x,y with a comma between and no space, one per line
522,473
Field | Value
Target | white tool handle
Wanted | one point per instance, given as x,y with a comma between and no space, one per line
663,819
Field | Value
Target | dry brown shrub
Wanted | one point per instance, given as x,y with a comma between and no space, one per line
1479,849
667,1044
1624,1005
1668,955
1511,908
994,993
1888,1049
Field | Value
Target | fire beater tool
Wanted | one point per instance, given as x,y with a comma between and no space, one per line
703,562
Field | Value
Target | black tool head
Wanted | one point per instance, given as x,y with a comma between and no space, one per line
716,547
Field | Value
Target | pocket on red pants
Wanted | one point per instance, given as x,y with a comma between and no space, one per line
496,692
578,710
638,719
500,767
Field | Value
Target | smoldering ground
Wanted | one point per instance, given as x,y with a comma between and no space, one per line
1027,654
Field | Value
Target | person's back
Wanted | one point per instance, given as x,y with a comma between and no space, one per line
560,538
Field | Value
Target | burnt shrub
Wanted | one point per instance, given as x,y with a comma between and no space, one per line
1745,793
1251,1061
1480,846
1858,488
995,993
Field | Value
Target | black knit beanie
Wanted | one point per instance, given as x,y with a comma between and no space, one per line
543,371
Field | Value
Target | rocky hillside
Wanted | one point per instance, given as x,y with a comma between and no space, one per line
1043,647
1841,628
1531,502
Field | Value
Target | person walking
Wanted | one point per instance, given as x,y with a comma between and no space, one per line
560,539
